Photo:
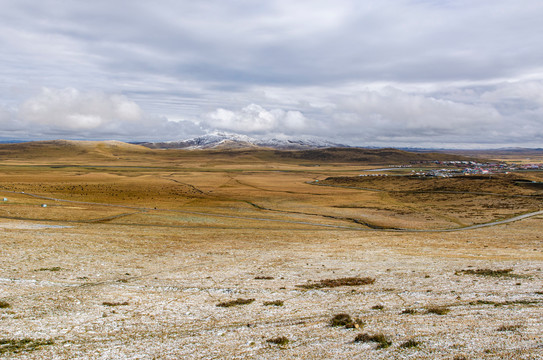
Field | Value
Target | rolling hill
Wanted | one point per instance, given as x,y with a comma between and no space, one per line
105,152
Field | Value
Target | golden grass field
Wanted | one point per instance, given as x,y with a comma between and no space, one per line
136,248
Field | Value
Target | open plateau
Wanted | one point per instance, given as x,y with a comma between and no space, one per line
111,250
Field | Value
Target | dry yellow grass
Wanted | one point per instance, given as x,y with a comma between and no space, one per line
174,236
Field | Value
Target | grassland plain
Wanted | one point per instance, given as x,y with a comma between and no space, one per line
137,250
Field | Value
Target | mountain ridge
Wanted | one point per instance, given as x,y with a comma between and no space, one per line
221,140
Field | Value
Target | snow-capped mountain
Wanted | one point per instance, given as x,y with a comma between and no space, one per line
221,140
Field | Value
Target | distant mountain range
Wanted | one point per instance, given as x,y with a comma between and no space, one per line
220,140
229,141
73,152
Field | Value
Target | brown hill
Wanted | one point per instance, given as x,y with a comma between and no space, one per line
512,154
366,156
97,152
68,149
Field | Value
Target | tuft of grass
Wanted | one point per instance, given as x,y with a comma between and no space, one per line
331,283
263,277
509,327
409,311
54,268
438,310
484,302
490,272
108,303
236,302
4,305
504,303
381,340
280,340
411,343
341,320
274,303
19,345
346,320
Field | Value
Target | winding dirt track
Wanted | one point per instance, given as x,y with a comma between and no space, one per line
144,209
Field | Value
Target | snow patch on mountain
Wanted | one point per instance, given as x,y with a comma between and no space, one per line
230,140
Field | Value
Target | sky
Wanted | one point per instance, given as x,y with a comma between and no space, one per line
405,73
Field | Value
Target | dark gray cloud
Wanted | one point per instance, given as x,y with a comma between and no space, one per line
377,73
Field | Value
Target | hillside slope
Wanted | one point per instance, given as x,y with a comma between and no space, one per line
108,152
367,156
69,149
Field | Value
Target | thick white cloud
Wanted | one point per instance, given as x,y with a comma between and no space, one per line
255,119
528,92
70,113
396,112
69,109
500,115
382,116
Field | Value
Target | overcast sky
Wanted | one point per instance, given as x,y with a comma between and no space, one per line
420,73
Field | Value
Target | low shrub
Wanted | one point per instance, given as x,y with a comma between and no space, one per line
54,268
509,327
438,310
4,305
236,302
19,345
490,272
331,283
411,343
380,339
274,303
346,320
109,303
280,340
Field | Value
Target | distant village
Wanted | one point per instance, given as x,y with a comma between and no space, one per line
463,168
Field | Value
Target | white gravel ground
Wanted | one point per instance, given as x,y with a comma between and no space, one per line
115,292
